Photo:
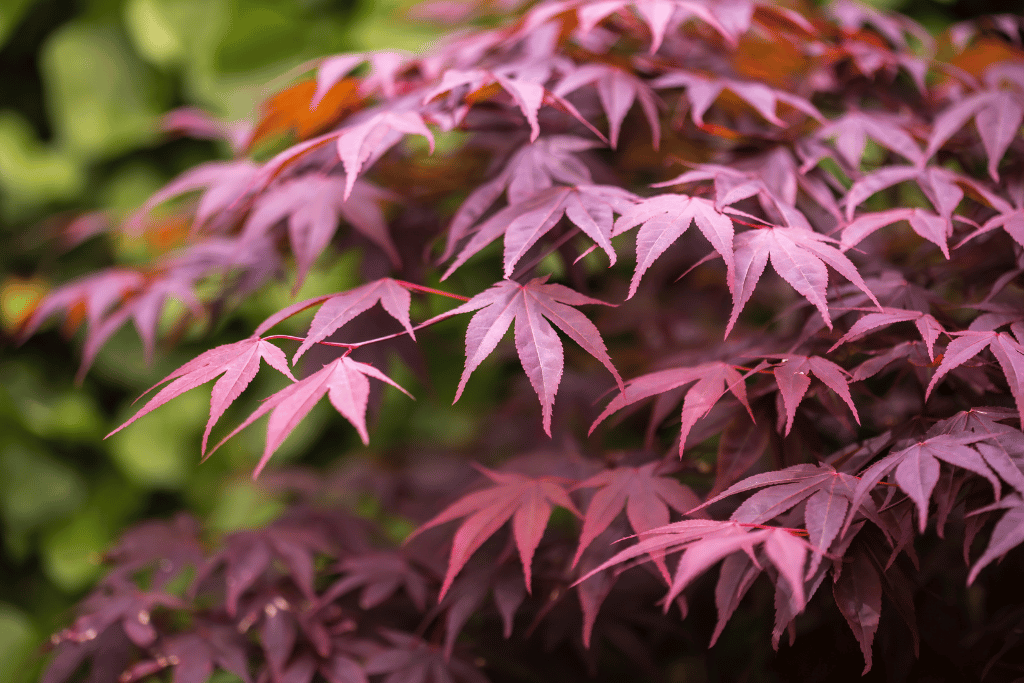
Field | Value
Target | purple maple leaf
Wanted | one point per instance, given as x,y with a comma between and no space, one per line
589,207
531,306
665,218
312,204
527,502
342,380
712,381
236,364
617,90
799,257
645,495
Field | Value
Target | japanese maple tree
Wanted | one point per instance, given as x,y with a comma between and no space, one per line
824,456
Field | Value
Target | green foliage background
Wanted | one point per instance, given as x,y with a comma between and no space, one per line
83,86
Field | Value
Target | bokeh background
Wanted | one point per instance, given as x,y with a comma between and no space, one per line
84,86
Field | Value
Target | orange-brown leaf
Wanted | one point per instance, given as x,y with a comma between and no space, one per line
289,112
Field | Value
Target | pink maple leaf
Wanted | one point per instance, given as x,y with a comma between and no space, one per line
236,364
799,257
345,383
617,90
645,495
665,218
589,207
338,309
531,306
712,381
527,502
312,205
969,343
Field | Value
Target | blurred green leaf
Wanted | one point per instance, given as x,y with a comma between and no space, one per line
159,453
102,98
243,505
17,642
11,12
32,174
72,554
36,488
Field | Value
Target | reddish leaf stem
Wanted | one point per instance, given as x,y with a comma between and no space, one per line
431,290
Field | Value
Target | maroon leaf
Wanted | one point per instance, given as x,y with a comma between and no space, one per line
970,343
343,380
927,325
364,142
618,90
665,218
531,169
1007,534
531,306
237,362
858,595
793,376
313,204
645,496
799,257
713,380
589,207
527,502
997,114
341,308
852,130
917,470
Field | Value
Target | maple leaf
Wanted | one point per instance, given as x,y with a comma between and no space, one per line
312,204
143,308
1009,217
365,141
852,130
589,207
525,90
702,92
799,257
236,364
940,186
293,113
342,380
645,495
793,376
712,381
707,542
534,167
997,115
773,177
665,218
969,343
825,493
858,595
385,65
226,183
917,469
412,659
89,297
657,14
1007,534
926,324
531,306
527,502
380,575
617,90
341,308
928,225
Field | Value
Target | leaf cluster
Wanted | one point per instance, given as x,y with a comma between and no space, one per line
825,424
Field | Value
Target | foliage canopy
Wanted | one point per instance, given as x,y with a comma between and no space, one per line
827,429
